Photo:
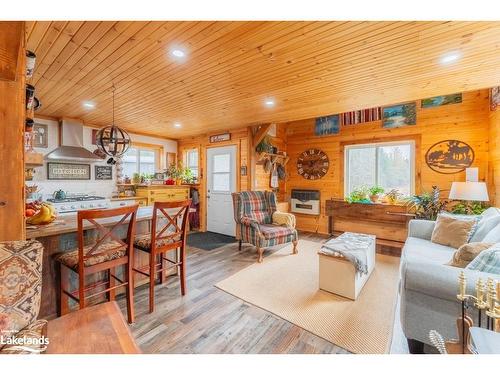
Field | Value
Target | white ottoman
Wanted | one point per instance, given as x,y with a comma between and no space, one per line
339,275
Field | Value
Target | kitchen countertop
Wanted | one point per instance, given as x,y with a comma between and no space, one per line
68,224
127,198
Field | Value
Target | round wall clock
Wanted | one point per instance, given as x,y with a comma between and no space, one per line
312,164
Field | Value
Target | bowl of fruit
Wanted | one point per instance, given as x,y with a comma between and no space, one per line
39,213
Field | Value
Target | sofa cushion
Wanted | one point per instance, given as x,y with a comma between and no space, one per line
466,253
487,261
491,212
106,252
453,231
485,225
424,251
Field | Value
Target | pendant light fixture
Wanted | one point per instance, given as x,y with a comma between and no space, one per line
112,140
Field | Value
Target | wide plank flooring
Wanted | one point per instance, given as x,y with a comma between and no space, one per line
208,320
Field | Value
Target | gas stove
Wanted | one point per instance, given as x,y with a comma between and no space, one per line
77,203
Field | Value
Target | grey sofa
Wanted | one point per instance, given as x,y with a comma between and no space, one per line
428,287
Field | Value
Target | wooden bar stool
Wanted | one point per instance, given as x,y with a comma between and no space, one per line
109,252
163,239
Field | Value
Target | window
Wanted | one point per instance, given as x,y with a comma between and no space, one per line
390,165
191,161
140,160
222,172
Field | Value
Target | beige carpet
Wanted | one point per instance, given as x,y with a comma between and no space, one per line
287,286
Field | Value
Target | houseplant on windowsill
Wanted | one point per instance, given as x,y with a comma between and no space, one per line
359,195
374,193
393,196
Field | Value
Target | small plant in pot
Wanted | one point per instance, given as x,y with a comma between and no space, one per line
359,195
374,193
393,196
427,205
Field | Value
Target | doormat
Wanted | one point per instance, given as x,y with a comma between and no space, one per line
208,240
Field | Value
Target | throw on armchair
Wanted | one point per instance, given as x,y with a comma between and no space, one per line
20,292
258,222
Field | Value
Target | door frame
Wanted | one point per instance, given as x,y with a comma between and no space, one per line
205,173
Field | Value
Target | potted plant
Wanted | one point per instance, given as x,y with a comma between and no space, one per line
187,176
174,173
359,195
136,178
393,196
265,145
427,205
374,193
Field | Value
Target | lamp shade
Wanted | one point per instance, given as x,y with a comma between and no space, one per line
469,191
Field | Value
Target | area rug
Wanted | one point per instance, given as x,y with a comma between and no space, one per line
287,286
208,240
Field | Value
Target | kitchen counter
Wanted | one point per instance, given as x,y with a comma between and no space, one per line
68,224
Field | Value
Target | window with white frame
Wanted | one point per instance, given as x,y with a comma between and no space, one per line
191,161
140,160
390,165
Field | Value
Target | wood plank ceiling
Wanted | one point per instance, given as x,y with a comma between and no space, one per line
310,68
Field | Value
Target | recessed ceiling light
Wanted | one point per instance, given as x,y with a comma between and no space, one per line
450,57
88,105
269,102
177,124
178,53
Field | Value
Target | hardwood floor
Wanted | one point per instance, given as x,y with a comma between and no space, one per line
208,320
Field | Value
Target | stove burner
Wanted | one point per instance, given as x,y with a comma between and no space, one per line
75,199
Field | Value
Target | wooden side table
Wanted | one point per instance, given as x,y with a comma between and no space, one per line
99,329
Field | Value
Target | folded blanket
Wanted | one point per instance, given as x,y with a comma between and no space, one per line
352,246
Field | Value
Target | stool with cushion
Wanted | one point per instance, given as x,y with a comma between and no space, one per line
168,233
258,222
109,252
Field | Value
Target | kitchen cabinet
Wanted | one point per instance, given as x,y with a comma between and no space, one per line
163,193
128,201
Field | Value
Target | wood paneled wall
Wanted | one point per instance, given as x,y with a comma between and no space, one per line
12,118
494,164
468,122
238,138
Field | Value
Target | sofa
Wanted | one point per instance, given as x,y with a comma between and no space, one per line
429,287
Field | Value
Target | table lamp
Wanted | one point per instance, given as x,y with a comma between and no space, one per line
469,191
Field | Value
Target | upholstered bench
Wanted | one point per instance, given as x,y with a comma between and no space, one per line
345,263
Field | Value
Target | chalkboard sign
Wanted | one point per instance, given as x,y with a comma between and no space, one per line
103,172
63,171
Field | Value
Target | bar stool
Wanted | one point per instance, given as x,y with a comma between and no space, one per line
163,239
109,252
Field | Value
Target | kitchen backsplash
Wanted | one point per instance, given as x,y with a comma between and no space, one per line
92,187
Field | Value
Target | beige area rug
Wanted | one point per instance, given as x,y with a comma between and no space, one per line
287,286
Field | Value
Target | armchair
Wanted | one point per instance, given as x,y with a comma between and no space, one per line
20,293
258,222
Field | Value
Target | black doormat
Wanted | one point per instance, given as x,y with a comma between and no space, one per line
208,240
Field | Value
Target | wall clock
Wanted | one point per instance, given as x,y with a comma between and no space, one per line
312,164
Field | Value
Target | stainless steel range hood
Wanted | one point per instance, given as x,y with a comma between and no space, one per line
71,144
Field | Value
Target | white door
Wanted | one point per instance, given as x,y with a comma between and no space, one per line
221,182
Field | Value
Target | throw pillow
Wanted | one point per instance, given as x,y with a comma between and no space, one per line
493,236
453,232
485,226
487,261
466,253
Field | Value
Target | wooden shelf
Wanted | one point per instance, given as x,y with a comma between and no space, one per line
33,159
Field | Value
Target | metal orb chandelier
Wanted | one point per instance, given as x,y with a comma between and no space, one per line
112,140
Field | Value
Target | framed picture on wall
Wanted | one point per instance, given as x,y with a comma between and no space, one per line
399,115
40,135
437,101
327,125
495,98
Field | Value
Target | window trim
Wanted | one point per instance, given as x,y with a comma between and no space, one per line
186,159
414,166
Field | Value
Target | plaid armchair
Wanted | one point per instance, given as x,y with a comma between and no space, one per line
254,213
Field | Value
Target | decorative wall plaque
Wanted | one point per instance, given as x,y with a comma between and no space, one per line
449,156
40,135
220,137
63,171
103,172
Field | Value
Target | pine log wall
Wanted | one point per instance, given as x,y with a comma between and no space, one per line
467,122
